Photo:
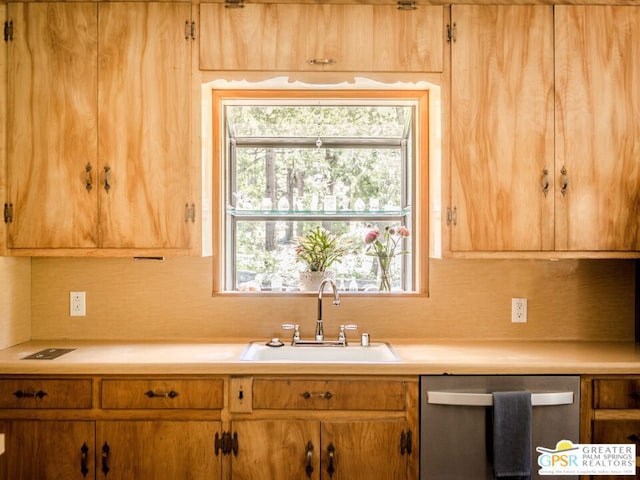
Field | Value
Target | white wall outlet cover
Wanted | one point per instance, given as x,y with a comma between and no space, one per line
519,310
77,304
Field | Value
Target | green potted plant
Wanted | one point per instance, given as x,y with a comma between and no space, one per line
318,249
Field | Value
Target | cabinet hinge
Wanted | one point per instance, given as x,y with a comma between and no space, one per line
8,31
406,5
189,30
452,32
190,212
226,444
452,216
405,443
8,213
233,3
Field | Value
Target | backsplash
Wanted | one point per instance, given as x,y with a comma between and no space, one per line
469,298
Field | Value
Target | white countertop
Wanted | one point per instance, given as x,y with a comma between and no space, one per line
429,357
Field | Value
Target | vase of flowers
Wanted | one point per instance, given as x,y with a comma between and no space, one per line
318,250
385,246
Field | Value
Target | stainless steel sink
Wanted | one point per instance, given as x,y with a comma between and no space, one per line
374,353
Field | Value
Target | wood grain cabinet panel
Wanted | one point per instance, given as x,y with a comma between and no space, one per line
329,394
144,120
598,133
45,393
157,449
51,124
166,393
616,393
501,128
351,429
617,432
327,37
99,128
48,449
544,132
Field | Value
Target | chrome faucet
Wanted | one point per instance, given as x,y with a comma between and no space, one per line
336,302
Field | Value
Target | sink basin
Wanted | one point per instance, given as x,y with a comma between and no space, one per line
374,353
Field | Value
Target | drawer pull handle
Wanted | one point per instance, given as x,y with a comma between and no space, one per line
321,61
309,468
330,468
105,458
635,395
170,394
38,395
84,457
633,438
325,395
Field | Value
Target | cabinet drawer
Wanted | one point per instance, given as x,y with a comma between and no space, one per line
616,393
45,393
329,394
162,393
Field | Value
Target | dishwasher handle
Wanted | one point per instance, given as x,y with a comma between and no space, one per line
545,399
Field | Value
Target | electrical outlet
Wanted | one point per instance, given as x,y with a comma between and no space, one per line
519,310
77,304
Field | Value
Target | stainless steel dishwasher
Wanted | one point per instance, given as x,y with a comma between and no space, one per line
455,425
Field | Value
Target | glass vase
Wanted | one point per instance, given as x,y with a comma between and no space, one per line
384,273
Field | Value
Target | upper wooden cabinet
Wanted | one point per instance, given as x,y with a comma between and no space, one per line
51,122
544,133
598,132
501,128
144,119
99,117
305,37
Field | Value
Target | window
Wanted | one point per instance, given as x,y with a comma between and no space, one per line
342,162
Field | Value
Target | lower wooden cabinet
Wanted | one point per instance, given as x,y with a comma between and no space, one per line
610,414
349,428
209,427
48,449
340,449
157,449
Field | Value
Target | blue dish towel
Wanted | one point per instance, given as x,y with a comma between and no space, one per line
512,435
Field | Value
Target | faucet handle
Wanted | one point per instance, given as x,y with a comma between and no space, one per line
295,328
342,337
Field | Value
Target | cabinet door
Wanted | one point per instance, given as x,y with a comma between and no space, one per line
502,128
294,37
144,124
283,449
51,121
617,432
363,450
598,133
158,450
44,449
